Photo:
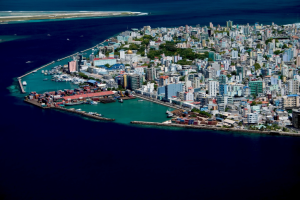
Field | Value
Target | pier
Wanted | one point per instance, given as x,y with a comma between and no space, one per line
21,85
35,103
205,127
158,101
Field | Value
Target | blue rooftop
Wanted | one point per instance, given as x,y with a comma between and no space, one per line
292,95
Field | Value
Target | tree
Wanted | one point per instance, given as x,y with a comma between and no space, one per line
108,89
277,52
107,65
233,73
284,46
258,46
257,66
182,78
210,59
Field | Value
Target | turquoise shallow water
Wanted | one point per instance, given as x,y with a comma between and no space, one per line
129,110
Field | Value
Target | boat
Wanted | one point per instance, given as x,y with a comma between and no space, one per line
48,35
93,103
141,100
170,115
24,83
78,109
45,79
68,39
121,100
34,71
28,62
73,103
43,71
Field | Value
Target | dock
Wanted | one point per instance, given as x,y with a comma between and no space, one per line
35,103
158,101
21,85
205,127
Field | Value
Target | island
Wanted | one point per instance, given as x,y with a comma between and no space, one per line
15,16
236,78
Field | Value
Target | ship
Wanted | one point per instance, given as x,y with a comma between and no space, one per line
73,103
24,83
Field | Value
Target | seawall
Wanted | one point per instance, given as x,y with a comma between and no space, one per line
218,129
35,103
158,101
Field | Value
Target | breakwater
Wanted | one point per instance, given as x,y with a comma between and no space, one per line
21,85
205,127
158,101
36,69
35,103
83,114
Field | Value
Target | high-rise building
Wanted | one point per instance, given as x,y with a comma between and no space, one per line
293,86
212,88
172,89
298,60
211,55
240,72
256,87
151,74
222,79
223,89
134,81
72,66
229,24
163,80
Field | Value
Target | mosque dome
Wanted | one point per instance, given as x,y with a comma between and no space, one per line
129,52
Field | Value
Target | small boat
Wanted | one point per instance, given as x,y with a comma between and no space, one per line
24,83
28,62
45,79
43,71
121,100
81,36
170,115
141,100
68,39
48,35
93,103
34,71
78,109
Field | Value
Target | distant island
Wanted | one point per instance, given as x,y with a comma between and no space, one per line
15,16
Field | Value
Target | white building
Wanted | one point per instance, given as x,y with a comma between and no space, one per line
293,86
252,118
212,88
188,96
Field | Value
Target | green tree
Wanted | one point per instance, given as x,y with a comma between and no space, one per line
257,66
233,73
284,46
108,89
107,65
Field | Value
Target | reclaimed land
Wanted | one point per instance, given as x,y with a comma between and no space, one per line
217,129
72,15
35,103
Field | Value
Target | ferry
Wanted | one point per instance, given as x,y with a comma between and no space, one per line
24,83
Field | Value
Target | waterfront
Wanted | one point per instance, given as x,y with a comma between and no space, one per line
48,154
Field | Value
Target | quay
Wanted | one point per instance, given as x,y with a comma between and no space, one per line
205,127
35,103
21,86
158,101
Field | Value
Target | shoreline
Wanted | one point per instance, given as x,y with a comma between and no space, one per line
68,16
205,127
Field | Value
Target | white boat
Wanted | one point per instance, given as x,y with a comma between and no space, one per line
48,35
68,39
78,109
28,62
43,71
141,100
24,83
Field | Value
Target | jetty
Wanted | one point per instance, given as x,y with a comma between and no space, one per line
35,103
158,101
21,85
205,127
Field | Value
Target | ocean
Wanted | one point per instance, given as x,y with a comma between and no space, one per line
46,154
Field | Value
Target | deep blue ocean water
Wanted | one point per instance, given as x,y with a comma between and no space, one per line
45,154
